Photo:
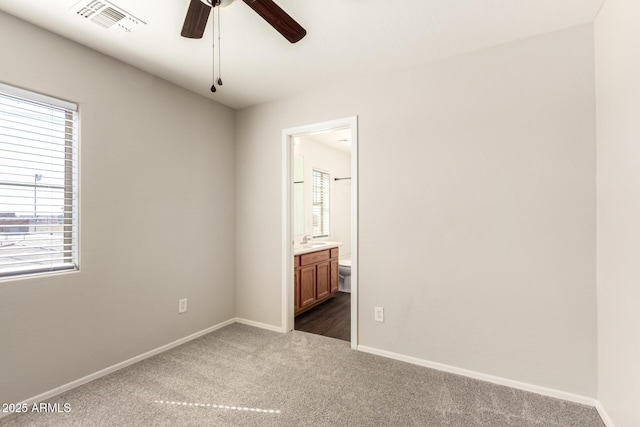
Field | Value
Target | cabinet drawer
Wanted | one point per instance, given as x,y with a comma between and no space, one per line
334,252
314,257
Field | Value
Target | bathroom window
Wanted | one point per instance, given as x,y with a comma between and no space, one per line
38,183
320,208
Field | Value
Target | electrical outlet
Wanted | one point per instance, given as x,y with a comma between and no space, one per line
182,305
379,314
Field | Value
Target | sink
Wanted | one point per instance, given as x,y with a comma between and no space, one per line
313,246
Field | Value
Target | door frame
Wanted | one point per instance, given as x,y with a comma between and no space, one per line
288,136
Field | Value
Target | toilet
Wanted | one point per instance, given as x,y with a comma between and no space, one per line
344,273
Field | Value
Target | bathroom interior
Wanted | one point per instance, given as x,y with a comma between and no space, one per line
321,198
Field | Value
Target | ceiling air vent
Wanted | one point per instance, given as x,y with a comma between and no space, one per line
107,15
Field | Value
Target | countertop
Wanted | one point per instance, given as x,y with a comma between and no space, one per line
314,247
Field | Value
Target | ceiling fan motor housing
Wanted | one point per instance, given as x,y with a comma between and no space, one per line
216,3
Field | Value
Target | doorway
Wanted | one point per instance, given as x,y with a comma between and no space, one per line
325,220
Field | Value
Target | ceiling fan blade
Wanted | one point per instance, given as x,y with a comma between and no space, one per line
278,18
196,20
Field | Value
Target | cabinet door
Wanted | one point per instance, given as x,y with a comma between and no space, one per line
334,275
307,285
323,283
296,291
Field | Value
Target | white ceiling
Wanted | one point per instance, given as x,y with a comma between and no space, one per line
345,39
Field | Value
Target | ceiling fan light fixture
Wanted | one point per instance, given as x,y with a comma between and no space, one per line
219,3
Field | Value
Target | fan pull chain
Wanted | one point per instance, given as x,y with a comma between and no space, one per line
213,65
219,51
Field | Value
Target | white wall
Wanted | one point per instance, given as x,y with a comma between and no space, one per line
157,219
338,164
618,141
489,191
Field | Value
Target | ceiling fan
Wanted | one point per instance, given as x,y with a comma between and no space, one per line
199,11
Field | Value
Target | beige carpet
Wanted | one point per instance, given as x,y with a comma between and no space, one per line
243,376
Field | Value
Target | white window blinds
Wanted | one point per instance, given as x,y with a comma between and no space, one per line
38,183
320,207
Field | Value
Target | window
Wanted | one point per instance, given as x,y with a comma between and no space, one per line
320,208
38,183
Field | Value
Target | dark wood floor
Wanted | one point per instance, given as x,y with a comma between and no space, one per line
331,318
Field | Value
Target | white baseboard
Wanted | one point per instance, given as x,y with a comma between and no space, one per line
409,359
604,415
259,325
483,377
73,384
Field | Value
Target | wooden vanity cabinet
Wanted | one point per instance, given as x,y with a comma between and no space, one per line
307,286
316,278
323,285
334,275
